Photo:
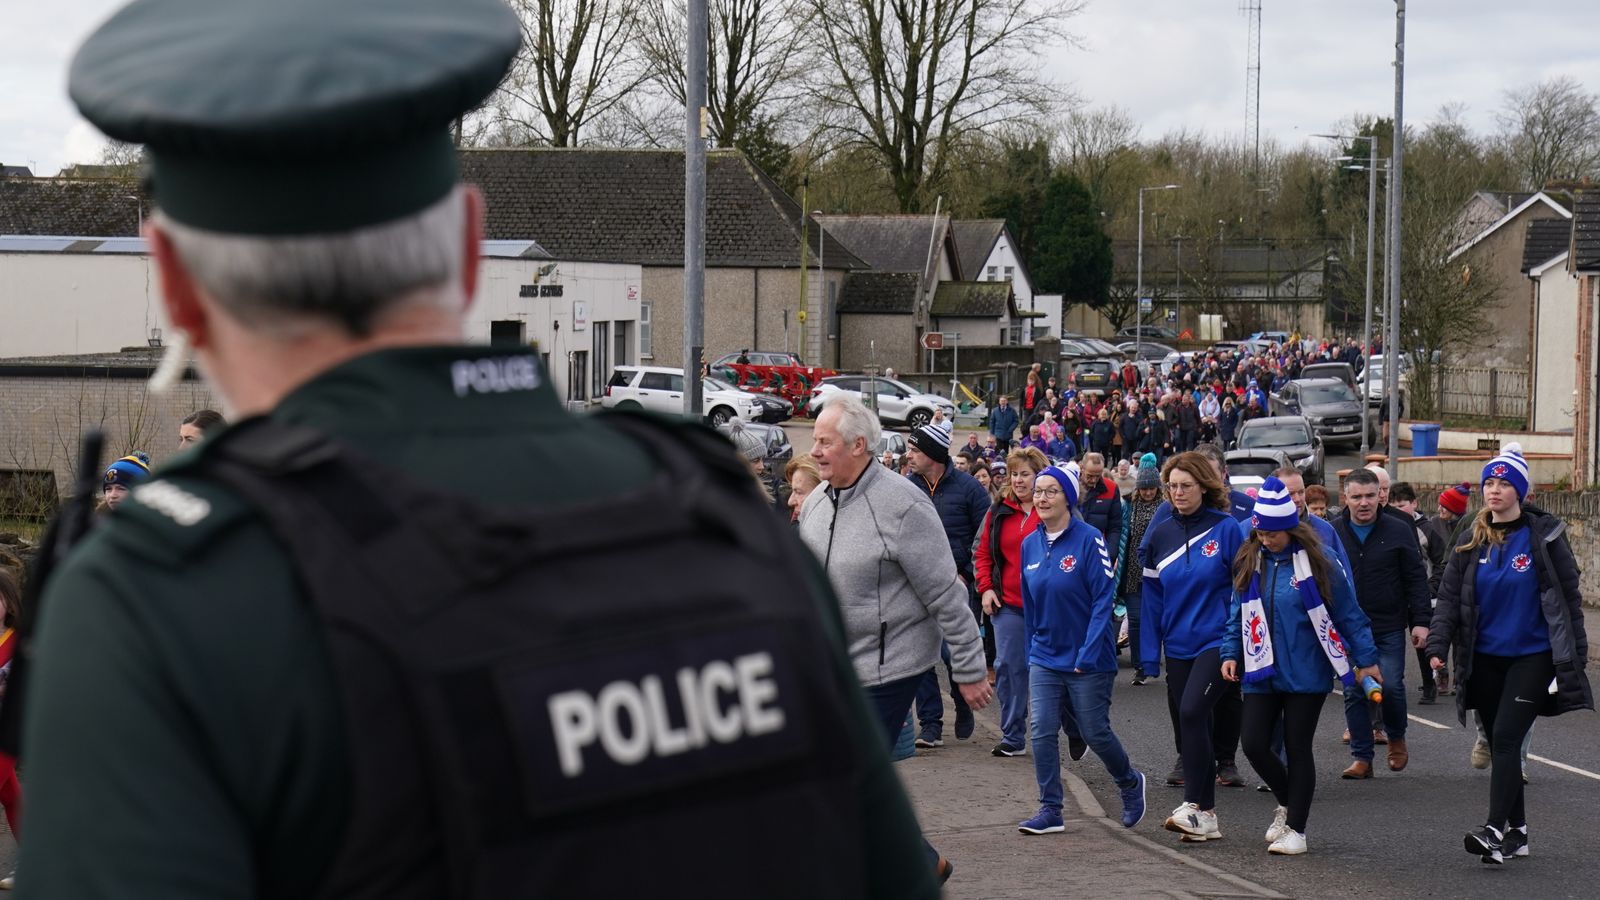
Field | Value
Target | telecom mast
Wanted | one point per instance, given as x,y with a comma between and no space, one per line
1252,81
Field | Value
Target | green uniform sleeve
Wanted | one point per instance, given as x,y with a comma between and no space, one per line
174,735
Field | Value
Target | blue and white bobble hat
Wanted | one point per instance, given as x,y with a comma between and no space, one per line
1067,477
1275,509
1510,466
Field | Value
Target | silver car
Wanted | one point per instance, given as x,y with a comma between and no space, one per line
898,403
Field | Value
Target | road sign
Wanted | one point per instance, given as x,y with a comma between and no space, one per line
933,340
1146,304
1172,315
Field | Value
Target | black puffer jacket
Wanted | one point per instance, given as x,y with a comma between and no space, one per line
1455,618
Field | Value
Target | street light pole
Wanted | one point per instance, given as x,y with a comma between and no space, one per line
1391,375
1138,290
822,283
694,201
1366,328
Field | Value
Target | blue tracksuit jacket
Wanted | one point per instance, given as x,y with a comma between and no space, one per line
1298,663
1068,590
1188,578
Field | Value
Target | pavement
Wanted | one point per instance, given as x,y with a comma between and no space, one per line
970,803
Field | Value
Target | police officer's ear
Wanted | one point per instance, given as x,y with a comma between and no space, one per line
473,250
180,295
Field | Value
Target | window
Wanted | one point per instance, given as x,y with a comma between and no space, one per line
508,333
622,351
1009,270
994,271
620,378
644,329
661,381
602,353
578,375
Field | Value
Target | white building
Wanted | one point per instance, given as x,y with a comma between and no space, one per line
988,251
62,296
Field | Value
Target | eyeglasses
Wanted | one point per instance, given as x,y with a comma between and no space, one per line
1050,493
1180,487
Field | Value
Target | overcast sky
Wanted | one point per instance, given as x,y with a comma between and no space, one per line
1171,63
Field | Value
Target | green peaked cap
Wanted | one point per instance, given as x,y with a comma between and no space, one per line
293,117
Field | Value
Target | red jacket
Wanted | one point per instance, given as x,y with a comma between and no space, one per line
1010,527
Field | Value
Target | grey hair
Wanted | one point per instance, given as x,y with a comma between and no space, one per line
855,420
1092,456
352,278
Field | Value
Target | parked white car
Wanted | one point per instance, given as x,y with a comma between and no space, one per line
660,389
898,403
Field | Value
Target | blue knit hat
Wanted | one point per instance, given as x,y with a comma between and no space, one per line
1275,509
128,471
1067,477
1510,466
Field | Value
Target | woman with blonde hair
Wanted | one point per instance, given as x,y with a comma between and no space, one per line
1510,606
1293,624
802,476
1187,561
998,568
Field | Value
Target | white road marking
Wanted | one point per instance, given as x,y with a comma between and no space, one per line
1564,767
1533,756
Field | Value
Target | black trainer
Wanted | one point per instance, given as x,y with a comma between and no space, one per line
1485,843
1175,778
1004,749
1076,747
1515,843
1228,775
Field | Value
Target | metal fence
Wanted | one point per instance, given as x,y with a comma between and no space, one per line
1497,393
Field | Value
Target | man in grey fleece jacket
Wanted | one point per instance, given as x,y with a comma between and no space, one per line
884,548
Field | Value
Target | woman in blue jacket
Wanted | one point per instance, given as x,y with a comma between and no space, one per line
1068,587
1188,579
1293,623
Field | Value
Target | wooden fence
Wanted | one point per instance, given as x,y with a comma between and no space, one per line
1495,393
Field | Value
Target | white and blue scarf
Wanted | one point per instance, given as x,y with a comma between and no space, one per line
1258,657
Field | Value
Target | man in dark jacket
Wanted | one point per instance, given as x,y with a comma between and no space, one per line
1392,587
1188,422
1003,423
1100,503
962,504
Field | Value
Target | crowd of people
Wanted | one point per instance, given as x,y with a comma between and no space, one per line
1161,409
1047,564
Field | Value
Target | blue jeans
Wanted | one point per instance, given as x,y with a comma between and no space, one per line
1358,710
1011,674
930,706
890,701
1088,696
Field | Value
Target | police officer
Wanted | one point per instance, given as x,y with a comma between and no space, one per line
203,706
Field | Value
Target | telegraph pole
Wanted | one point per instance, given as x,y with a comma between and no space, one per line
1391,353
694,209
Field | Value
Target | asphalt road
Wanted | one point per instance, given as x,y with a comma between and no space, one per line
1397,835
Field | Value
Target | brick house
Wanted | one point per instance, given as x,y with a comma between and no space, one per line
1495,251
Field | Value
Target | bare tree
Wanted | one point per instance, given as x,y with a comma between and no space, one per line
1551,131
754,47
579,59
1093,141
907,78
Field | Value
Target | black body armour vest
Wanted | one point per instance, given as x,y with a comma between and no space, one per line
632,695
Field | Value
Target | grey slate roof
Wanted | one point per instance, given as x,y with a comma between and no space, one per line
879,292
1586,232
971,299
627,206
79,207
1546,239
975,238
16,171
891,243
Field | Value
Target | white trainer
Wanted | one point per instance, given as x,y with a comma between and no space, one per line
1193,823
1293,843
1280,824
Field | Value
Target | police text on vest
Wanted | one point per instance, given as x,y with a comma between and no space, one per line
631,721
498,375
